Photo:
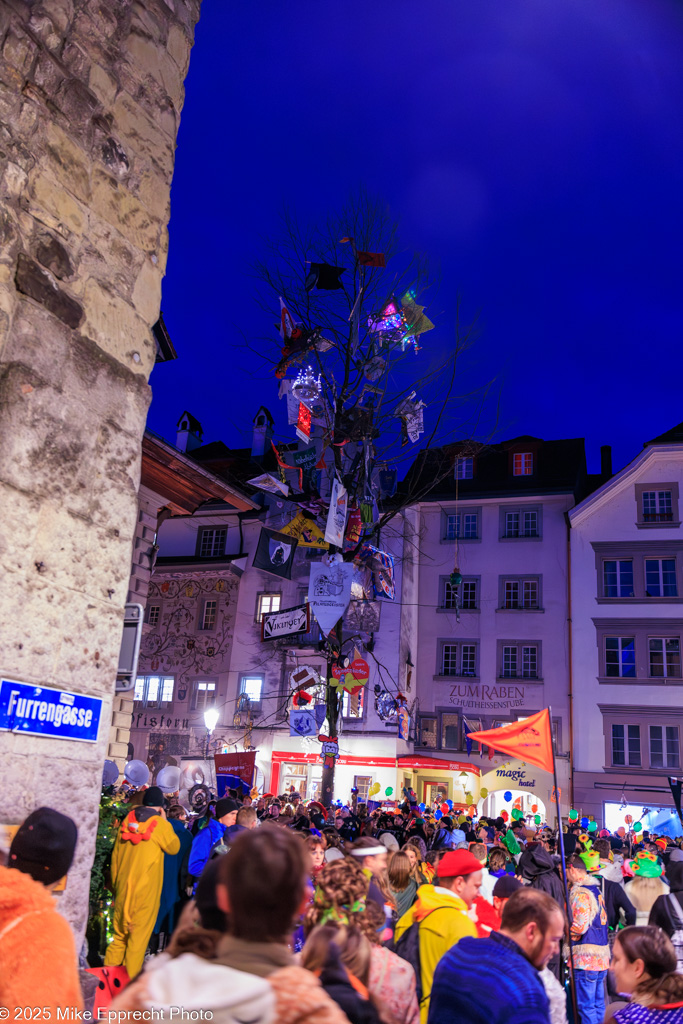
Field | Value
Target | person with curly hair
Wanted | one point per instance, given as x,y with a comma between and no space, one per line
420,870
342,898
644,966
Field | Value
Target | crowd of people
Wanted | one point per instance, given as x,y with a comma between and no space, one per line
274,909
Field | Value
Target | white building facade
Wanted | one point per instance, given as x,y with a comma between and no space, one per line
485,610
627,630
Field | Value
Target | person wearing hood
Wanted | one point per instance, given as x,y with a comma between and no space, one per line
539,871
447,837
38,962
137,871
212,833
441,913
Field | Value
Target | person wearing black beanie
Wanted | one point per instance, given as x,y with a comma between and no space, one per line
137,871
38,963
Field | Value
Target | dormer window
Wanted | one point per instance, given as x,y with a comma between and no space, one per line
522,464
464,468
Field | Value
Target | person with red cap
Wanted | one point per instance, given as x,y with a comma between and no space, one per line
440,911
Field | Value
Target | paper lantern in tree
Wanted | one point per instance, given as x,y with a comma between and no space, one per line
534,808
584,823
389,790
504,815
593,826
483,792
573,815
537,819
638,827
507,796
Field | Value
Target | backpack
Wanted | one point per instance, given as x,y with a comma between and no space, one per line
408,948
677,937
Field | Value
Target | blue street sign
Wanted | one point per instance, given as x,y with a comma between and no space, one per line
44,711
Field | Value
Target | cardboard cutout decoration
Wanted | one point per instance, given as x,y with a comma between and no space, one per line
323,276
336,517
329,592
267,482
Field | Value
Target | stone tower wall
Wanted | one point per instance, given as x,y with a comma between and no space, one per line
90,99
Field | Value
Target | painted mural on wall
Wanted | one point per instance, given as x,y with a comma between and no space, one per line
178,645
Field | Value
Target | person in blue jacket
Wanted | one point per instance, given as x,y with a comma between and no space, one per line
496,980
226,815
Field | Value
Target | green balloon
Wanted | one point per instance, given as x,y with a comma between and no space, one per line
593,826
389,790
516,813
638,827
573,814
537,819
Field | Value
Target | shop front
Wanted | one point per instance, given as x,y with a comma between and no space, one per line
435,780
515,784
299,771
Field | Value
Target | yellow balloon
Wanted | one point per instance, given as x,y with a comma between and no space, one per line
374,788
483,793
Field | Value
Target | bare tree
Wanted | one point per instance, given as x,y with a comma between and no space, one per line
374,386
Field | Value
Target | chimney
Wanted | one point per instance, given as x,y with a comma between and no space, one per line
189,434
263,432
606,462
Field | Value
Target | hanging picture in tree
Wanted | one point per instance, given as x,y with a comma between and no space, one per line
336,517
329,592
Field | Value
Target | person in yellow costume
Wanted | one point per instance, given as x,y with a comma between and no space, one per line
137,871
440,912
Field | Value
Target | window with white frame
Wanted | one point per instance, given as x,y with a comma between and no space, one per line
519,661
620,656
617,577
362,784
664,746
462,595
660,577
458,659
665,657
153,614
657,507
461,525
626,745
428,733
208,615
252,686
212,542
203,694
352,705
153,691
267,603
522,594
464,468
520,523
522,464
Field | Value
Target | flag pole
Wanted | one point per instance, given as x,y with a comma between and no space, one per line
572,980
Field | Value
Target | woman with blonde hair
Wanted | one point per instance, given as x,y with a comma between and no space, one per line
341,898
402,884
421,871
643,966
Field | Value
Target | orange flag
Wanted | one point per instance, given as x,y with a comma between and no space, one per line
530,740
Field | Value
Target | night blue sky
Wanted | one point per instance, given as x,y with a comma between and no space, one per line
532,149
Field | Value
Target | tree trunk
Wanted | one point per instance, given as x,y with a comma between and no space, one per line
332,702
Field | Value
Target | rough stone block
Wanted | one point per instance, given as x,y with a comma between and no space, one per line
67,213
19,51
102,84
145,137
34,281
52,254
119,207
69,162
117,328
147,292
178,45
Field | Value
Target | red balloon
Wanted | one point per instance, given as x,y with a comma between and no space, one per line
534,808
445,808
504,815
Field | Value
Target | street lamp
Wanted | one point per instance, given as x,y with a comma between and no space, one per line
211,717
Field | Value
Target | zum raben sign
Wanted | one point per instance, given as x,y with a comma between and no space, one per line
488,697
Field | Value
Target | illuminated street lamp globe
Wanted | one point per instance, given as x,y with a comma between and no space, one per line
211,717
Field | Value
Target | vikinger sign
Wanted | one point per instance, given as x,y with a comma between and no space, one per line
286,623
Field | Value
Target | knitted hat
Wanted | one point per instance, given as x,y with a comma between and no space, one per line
457,862
153,797
226,805
505,886
44,846
647,865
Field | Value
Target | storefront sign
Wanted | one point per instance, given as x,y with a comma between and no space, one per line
497,696
286,623
514,775
45,711
158,722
